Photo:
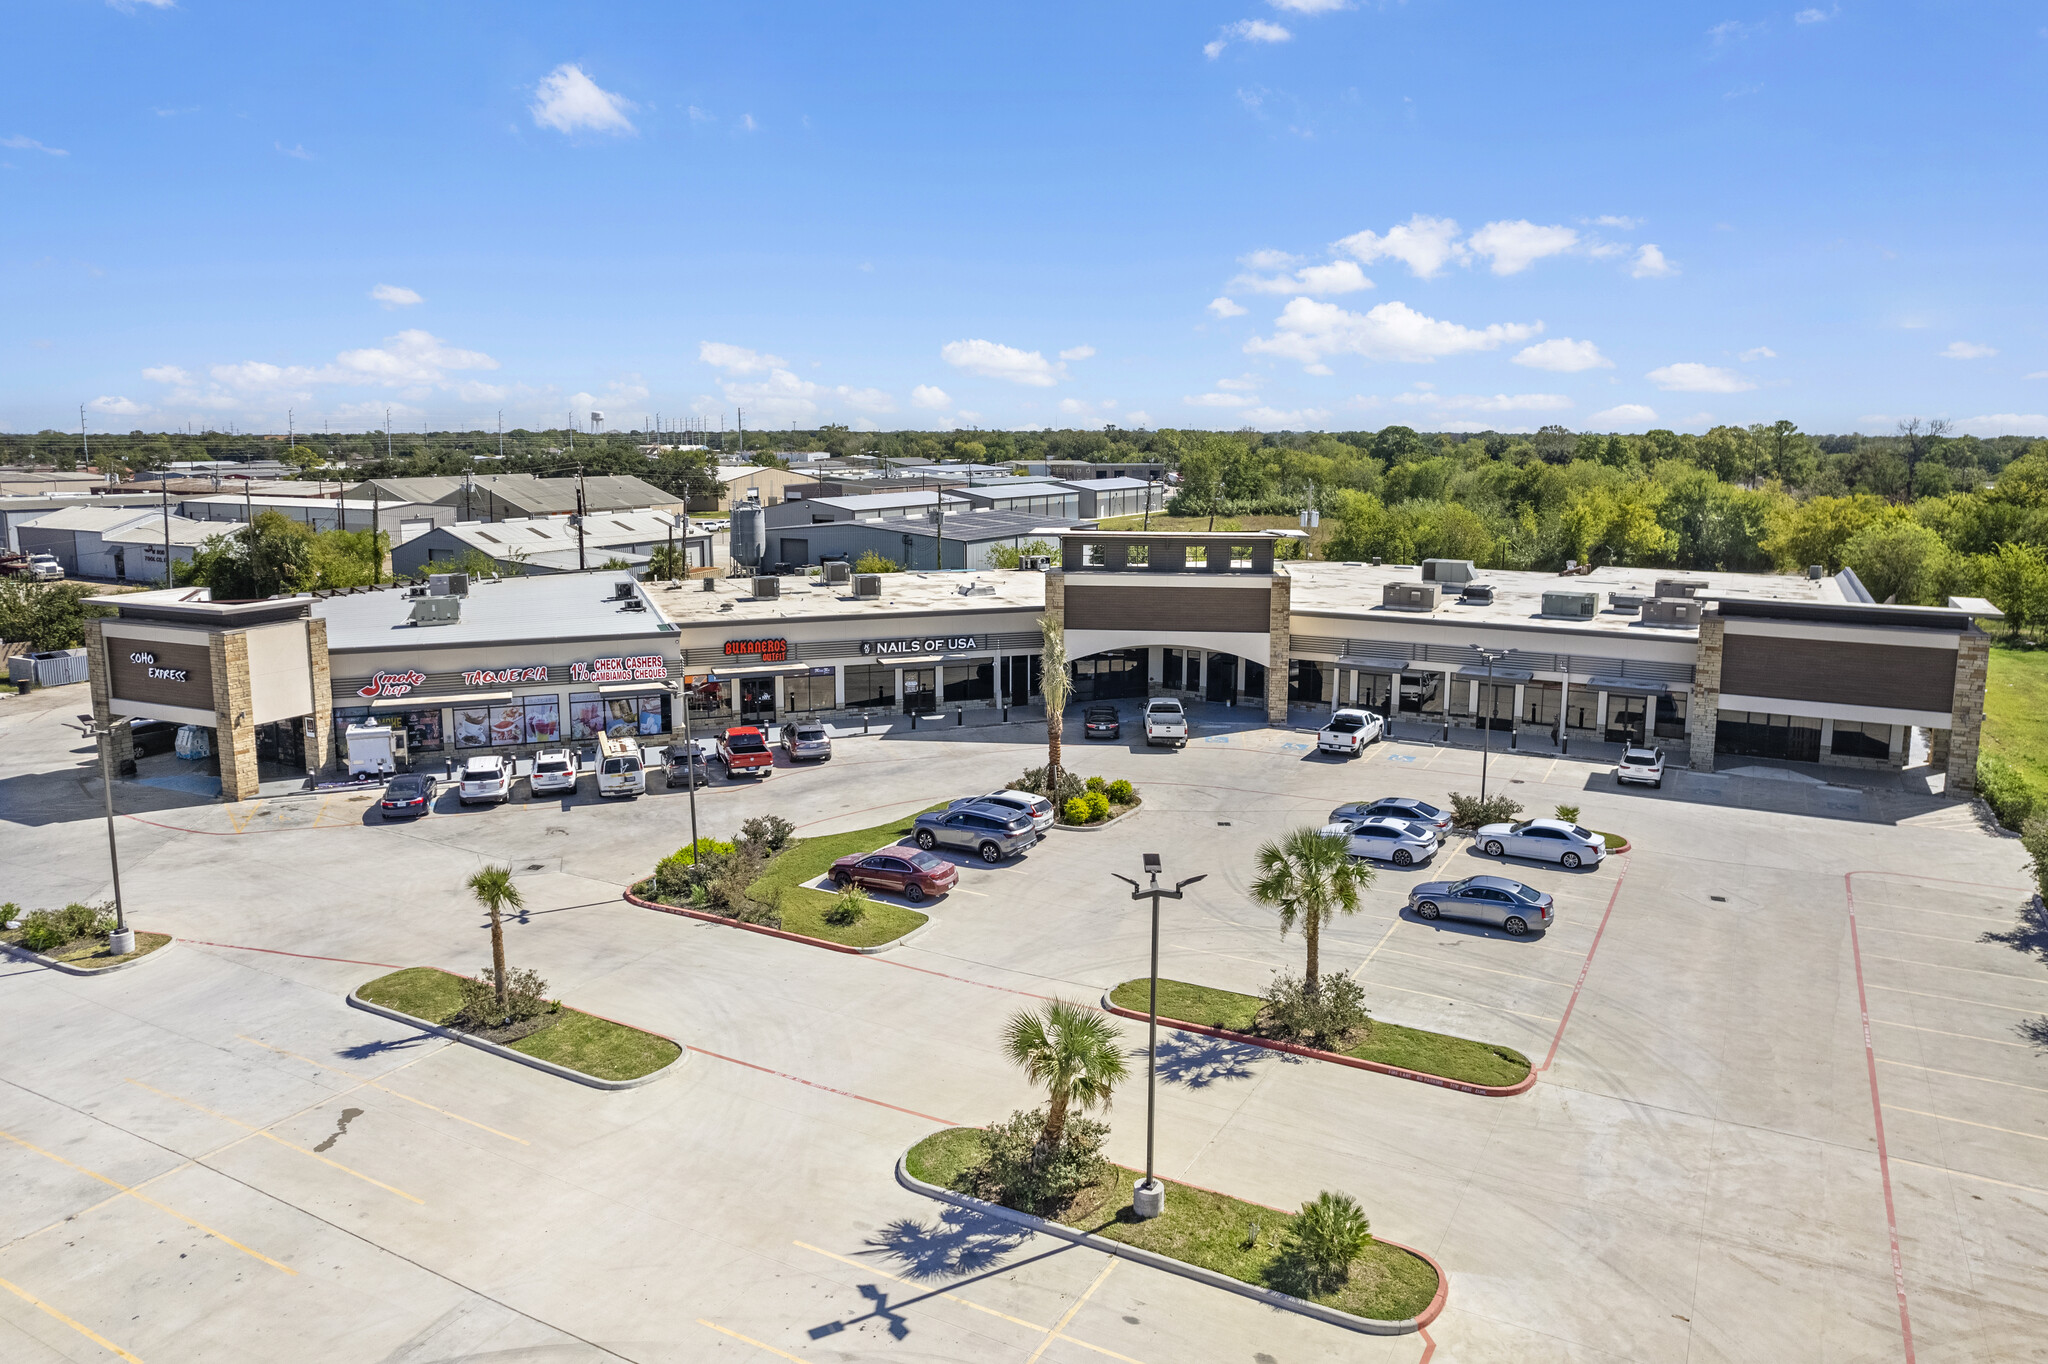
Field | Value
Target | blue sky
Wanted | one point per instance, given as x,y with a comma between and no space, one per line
1288,213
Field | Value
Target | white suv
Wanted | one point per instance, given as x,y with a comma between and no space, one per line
554,769
487,779
1645,765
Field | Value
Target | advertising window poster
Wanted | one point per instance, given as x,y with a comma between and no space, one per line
423,731
653,718
473,726
543,719
508,724
622,715
587,715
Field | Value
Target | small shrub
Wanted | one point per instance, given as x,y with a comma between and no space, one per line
1470,812
771,832
1329,1232
1568,813
1018,1173
1096,783
727,882
1075,811
871,562
1327,1017
2034,838
2006,791
1098,806
681,874
9,912
49,929
1033,781
525,997
849,907
1121,792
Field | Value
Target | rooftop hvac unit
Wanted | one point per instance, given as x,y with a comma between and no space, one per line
1409,596
1448,571
622,591
448,584
767,588
632,604
1578,605
1680,587
1671,611
1036,562
437,611
867,586
838,572
1477,594
1625,601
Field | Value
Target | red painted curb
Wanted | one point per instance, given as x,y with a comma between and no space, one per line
1270,1044
751,928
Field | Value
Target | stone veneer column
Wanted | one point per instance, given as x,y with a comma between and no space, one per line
99,674
1279,643
1973,663
1705,711
321,741
234,733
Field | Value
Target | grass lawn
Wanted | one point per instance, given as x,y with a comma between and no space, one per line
1615,842
580,1041
1389,1044
92,952
1201,1228
803,907
2016,730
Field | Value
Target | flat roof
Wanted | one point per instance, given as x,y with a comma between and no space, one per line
561,605
903,594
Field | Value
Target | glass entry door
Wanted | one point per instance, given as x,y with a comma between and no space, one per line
757,699
920,691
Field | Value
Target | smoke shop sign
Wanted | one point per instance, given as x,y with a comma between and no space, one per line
646,668
933,644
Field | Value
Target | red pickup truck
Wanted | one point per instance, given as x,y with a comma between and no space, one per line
744,751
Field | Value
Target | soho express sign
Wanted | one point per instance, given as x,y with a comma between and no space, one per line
930,644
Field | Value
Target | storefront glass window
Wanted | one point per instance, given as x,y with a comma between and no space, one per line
1671,712
473,725
970,681
1861,739
1539,702
543,719
586,715
868,686
1170,669
636,715
812,691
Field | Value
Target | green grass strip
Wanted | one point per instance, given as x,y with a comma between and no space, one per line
1388,1044
583,1042
92,953
1211,1230
803,906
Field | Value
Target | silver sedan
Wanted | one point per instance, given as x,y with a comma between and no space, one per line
1492,900
1546,840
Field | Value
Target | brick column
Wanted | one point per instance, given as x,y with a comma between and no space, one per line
321,743
1937,749
98,675
234,734
1279,643
1705,710
1973,663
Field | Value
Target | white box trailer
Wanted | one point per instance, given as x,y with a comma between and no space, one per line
374,750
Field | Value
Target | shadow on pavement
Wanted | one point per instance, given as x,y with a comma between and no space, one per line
1198,1062
963,1242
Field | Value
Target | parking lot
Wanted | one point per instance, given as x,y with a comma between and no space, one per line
210,1156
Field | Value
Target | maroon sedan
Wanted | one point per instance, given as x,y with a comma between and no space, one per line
910,872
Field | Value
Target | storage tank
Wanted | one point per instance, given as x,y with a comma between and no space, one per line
749,534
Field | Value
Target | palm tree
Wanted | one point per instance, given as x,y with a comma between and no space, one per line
494,890
1309,876
1053,687
667,563
1074,1052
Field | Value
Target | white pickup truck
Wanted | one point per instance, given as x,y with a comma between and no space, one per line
1349,731
1165,723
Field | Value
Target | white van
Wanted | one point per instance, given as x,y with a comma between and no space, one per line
620,769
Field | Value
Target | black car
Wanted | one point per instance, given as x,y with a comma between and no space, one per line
1101,722
684,769
408,795
154,736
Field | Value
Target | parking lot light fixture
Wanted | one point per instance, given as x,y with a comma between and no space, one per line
1492,656
1148,1196
122,941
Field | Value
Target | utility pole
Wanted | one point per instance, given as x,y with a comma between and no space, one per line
501,435
376,535
123,940
387,434
582,564
84,443
165,485
1492,657
1148,1197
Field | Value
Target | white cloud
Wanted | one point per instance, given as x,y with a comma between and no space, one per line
1627,414
1968,350
1689,377
570,101
394,296
1562,355
128,6
784,397
1224,307
2037,374
992,360
1758,353
1081,407
701,116
1295,420
929,397
29,144
1220,400
1515,246
1317,281
1269,259
1477,402
1650,264
166,374
1618,221
2004,424
1425,245
411,357
1139,419
1310,6
1308,331
118,407
1077,353
964,415
737,359
1244,385
1248,30
296,152
1813,16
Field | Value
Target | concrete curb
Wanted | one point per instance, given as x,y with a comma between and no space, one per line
1522,1086
763,929
1271,1297
23,954
521,1057
1098,828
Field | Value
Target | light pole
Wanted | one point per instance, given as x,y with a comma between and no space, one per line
123,940
682,693
1148,1197
1492,656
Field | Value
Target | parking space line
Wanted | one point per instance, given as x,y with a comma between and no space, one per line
1993,915
1376,948
1941,1032
1451,999
749,1340
1055,1332
94,1336
1613,898
1989,1127
1965,1174
1956,999
1963,1075
139,1196
384,1089
1490,970
1907,933
953,1297
272,1136
1973,970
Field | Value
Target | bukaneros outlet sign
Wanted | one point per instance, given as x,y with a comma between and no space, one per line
930,644
767,650
646,668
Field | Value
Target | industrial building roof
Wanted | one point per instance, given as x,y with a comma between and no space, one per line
512,610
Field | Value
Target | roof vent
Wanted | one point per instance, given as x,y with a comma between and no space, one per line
1816,571
622,591
1577,605
1409,596
1448,571
1625,601
767,588
867,586
1477,594
977,589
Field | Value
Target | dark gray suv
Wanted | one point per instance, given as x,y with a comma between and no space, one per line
992,832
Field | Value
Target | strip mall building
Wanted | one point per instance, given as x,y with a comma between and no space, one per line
1798,668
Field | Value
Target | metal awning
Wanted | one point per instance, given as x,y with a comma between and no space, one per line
631,688
436,702
1376,665
1499,674
1626,686
748,670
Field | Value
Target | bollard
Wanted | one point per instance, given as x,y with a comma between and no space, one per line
1447,729
913,719
1006,712
1514,738
959,715
1564,744
863,722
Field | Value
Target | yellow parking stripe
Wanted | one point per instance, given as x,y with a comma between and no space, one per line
384,1089
94,1336
749,1340
271,1136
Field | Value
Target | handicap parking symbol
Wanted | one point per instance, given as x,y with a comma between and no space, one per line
1400,757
